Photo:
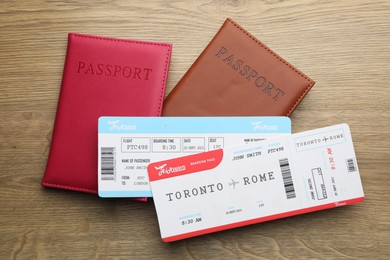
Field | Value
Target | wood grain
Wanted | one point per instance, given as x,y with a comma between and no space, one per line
343,45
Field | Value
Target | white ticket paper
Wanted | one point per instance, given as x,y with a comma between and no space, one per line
128,144
257,182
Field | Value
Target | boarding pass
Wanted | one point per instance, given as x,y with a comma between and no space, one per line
256,182
128,144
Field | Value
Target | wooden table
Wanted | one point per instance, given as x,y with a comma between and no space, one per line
343,45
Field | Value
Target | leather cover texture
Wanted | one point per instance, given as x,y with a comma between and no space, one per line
102,77
237,75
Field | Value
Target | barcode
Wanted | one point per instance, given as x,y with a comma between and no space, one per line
287,179
107,165
351,165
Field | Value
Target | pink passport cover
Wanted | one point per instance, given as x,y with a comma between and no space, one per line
102,77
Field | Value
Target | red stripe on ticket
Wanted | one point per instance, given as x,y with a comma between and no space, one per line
262,219
185,165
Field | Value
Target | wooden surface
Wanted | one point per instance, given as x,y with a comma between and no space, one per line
343,45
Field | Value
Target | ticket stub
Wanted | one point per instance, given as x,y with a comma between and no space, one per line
257,182
128,144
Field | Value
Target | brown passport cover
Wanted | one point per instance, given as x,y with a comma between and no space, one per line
237,75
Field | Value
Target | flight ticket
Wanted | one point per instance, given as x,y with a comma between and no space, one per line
255,182
128,144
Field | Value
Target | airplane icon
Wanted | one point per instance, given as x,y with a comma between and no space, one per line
160,167
325,139
233,183
111,122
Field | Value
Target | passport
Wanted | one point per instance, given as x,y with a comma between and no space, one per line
238,75
102,77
